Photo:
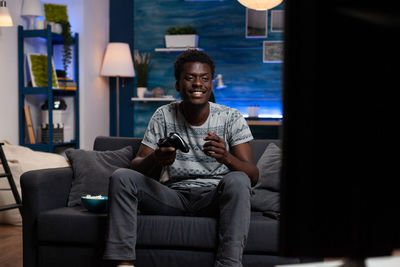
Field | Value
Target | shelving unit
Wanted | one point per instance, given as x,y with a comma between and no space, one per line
47,92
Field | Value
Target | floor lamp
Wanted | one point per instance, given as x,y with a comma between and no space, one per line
117,63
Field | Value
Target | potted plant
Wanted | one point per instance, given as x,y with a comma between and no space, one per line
181,37
58,14
142,67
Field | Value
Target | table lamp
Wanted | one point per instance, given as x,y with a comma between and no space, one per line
32,9
117,63
5,17
260,4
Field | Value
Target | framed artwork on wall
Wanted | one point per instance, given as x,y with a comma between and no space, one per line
38,70
256,24
277,20
273,51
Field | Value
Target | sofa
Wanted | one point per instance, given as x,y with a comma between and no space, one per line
57,235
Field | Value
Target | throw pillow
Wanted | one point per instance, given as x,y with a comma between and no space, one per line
92,170
265,194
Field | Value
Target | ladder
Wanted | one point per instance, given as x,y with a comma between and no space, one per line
13,187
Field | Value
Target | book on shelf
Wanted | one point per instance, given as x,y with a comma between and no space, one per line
29,126
66,84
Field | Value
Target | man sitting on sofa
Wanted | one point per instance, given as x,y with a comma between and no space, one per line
213,179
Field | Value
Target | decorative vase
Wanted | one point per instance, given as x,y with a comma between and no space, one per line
141,91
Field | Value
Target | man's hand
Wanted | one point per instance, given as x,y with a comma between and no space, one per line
240,157
165,156
216,148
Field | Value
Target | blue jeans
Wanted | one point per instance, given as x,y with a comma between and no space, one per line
130,191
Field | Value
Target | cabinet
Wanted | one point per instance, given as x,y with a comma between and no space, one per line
46,93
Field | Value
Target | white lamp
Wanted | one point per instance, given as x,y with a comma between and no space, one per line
118,62
5,17
32,9
260,4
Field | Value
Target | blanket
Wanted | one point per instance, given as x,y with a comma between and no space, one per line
22,159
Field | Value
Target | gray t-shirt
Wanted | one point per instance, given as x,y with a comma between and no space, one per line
195,168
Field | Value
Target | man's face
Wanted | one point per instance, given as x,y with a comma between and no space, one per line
195,83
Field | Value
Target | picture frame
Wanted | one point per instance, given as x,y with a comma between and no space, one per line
277,20
256,23
272,51
38,70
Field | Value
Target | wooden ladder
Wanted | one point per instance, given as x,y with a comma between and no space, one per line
13,187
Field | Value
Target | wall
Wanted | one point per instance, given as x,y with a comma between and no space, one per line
221,30
90,19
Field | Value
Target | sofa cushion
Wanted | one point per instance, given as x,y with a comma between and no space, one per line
92,170
265,194
76,225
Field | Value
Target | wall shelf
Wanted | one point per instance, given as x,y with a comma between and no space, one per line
154,99
180,49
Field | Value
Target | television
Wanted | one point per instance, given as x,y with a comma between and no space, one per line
340,194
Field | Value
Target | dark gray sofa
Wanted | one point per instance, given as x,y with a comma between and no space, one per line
57,235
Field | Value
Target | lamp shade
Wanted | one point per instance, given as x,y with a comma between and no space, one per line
5,17
260,4
32,8
118,61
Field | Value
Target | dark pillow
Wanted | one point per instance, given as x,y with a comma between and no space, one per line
92,170
265,194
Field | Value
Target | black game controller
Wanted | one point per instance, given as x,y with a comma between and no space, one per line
174,140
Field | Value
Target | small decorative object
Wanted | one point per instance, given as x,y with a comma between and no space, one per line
39,25
273,51
158,92
219,82
253,111
57,28
143,67
31,9
181,37
141,91
5,17
260,5
58,14
38,70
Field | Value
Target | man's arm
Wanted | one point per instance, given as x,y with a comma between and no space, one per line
147,159
239,159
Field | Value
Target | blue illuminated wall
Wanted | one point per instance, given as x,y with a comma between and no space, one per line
221,30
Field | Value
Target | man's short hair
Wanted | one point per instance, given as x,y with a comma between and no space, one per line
192,55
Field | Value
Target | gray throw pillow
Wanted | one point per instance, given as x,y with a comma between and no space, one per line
92,170
265,194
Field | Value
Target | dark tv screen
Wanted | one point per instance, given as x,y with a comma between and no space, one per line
340,195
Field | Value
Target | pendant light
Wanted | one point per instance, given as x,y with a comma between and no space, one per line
5,17
260,4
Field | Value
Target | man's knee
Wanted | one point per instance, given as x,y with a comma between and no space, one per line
125,178
236,181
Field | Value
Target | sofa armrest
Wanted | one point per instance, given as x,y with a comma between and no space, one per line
41,190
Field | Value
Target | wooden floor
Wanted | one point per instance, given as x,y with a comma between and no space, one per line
10,246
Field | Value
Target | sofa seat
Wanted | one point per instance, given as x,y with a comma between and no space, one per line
77,225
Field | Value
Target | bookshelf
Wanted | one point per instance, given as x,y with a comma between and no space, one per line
30,113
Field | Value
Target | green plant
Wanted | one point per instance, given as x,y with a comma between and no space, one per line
181,30
58,14
143,67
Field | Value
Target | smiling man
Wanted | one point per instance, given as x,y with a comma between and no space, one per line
212,179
